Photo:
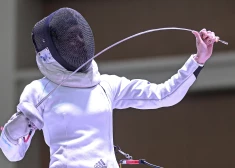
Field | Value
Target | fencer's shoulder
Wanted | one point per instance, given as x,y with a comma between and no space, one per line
108,77
33,91
111,83
112,79
36,85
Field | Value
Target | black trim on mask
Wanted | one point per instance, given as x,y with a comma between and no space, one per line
32,36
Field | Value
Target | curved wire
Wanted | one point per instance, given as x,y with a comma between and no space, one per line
104,50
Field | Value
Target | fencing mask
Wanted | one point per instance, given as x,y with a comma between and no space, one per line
68,37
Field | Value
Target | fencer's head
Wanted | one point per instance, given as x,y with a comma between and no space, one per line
68,36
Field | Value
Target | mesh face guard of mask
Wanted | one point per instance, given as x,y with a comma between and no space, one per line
68,37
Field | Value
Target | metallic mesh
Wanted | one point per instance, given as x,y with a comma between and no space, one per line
71,35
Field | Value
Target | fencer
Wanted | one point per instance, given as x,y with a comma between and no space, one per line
76,119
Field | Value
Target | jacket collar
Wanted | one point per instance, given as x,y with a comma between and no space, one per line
52,70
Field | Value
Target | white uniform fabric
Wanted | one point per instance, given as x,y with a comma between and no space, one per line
78,117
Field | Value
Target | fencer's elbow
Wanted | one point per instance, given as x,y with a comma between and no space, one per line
177,101
171,101
14,158
172,104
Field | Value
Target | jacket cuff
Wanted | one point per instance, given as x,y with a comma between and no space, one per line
199,68
194,65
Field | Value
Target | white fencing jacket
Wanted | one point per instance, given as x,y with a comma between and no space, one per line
78,116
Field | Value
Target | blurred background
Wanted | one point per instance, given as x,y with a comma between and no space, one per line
197,132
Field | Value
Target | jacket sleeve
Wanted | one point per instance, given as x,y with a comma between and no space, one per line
142,94
17,152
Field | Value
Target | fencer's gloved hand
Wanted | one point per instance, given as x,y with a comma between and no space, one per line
18,127
204,41
21,124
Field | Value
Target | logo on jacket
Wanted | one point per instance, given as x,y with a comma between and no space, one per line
100,164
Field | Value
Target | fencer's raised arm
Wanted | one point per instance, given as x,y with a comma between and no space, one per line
26,121
142,94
